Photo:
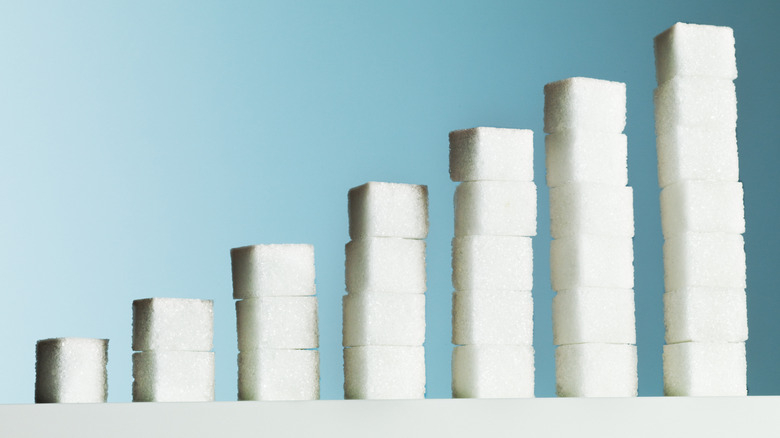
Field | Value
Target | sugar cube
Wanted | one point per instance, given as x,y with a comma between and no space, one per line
71,370
581,156
704,259
384,372
492,317
383,319
384,264
380,209
493,371
173,324
705,315
592,261
697,153
277,322
594,315
492,262
705,369
498,208
702,206
591,208
276,269
495,154
173,376
695,50
695,101
596,370
278,374
585,103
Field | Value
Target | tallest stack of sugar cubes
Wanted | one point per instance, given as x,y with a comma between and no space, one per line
702,211
492,262
592,224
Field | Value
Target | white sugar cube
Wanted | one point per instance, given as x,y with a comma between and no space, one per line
590,208
279,374
493,371
384,372
497,208
695,101
704,259
705,369
71,370
492,262
705,315
494,154
383,264
277,322
596,370
492,317
594,315
585,103
276,269
702,206
581,156
697,153
592,261
695,50
173,324
380,209
383,319
173,376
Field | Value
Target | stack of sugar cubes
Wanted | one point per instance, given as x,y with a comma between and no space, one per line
592,224
492,263
384,309
71,370
702,212
173,339
277,323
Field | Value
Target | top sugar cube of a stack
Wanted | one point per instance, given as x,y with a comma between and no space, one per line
173,324
585,103
695,50
276,269
492,154
380,209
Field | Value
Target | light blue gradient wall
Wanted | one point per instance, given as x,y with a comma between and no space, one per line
140,141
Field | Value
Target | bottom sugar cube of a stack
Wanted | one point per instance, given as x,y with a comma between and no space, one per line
594,315
706,315
383,319
596,370
493,371
492,317
173,376
705,369
71,370
592,261
384,372
278,374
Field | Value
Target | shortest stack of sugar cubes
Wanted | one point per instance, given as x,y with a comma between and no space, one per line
71,370
592,224
277,324
173,339
492,262
702,212
384,309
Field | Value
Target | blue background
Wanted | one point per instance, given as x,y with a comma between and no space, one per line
142,140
